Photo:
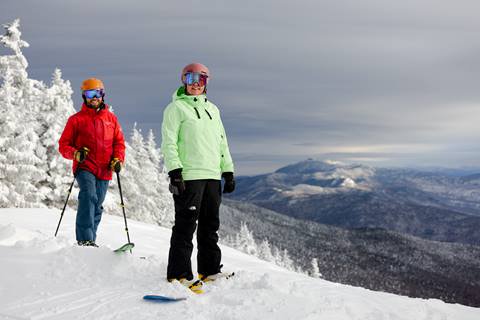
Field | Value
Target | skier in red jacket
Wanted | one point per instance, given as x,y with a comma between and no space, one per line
93,139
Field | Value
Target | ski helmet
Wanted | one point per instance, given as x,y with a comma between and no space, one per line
92,83
195,67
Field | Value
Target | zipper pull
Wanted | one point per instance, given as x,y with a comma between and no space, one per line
208,114
198,114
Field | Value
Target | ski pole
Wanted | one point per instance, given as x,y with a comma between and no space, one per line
65,205
123,208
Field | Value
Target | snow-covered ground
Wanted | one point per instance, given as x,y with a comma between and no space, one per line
46,278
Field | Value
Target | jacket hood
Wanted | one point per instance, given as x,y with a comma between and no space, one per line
180,94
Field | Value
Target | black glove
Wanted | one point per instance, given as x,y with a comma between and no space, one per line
229,185
177,185
116,165
81,154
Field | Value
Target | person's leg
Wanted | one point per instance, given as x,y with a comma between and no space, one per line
87,197
102,186
187,207
209,254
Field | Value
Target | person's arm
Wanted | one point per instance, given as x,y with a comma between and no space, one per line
118,142
170,129
226,164
66,143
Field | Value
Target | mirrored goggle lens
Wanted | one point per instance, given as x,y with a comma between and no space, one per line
194,77
90,94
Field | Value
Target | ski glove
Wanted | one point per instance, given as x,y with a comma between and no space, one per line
229,185
177,185
116,165
81,154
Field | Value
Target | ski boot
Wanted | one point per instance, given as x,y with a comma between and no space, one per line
87,243
216,276
194,285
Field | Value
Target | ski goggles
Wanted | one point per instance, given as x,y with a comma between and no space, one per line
195,77
90,94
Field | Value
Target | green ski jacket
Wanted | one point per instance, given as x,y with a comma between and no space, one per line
194,139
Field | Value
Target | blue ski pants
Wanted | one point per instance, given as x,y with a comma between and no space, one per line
90,199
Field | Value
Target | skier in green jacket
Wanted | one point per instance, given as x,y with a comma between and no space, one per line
196,154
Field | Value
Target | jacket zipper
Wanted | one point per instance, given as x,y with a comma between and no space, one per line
95,128
208,114
198,114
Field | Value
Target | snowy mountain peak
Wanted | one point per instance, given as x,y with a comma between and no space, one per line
311,177
312,166
349,183
308,166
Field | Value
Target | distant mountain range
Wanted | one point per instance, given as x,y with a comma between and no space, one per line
376,259
431,205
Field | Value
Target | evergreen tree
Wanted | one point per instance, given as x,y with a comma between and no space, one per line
144,184
315,271
163,199
265,251
277,256
286,260
16,64
18,169
7,129
245,241
55,109
33,173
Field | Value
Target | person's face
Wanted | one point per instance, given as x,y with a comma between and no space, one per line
94,97
195,83
195,89
94,102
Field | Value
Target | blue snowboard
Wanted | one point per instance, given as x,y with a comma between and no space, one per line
162,299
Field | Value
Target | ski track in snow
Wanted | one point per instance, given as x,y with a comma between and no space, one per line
43,277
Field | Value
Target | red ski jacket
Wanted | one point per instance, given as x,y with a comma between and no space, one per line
98,131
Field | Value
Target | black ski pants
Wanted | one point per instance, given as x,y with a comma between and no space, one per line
200,202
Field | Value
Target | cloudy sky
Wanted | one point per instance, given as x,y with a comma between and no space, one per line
384,82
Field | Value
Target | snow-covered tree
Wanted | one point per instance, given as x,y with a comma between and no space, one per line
7,129
163,199
315,271
245,242
144,183
55,109
34,174
265,251
15,65
18,169
283,259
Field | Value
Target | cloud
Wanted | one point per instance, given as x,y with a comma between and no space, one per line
354,79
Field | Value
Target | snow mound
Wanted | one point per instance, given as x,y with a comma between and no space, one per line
43,277
7,231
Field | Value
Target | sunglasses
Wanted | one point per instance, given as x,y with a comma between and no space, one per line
195,77
90,94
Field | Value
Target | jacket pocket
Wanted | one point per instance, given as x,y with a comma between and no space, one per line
108,130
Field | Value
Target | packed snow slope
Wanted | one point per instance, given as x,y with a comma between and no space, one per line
42,277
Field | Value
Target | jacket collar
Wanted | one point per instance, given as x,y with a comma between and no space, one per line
91,111
180,94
